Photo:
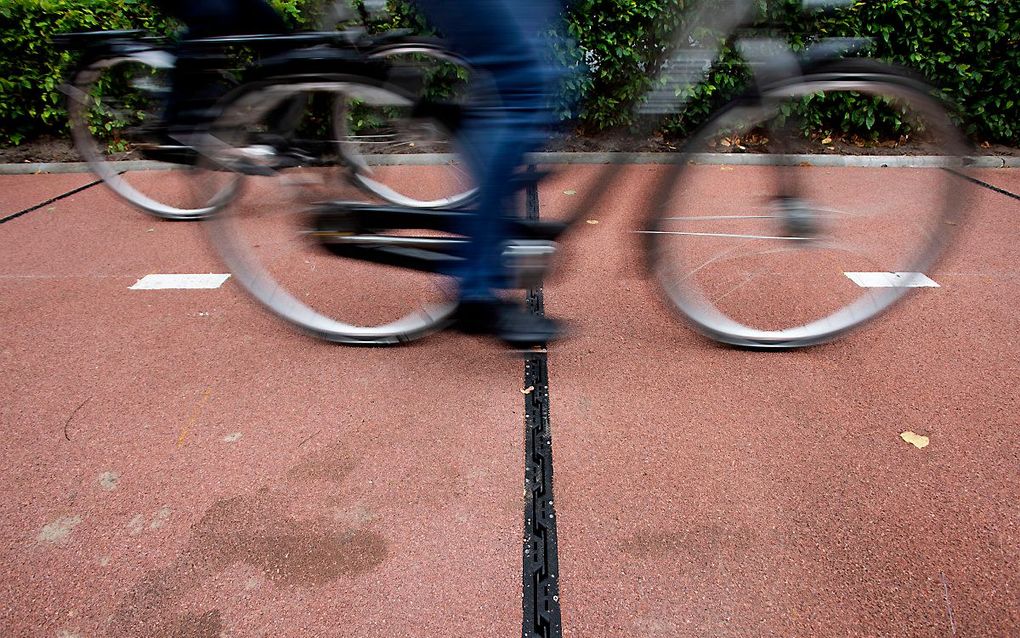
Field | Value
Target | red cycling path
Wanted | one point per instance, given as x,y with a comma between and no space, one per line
179,463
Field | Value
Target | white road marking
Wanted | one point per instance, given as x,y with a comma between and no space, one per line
179,282
891,280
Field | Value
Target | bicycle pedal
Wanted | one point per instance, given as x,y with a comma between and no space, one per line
527,260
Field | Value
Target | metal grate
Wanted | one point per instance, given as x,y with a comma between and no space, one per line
541,599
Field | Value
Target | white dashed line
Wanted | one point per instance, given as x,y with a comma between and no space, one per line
891,280
179,282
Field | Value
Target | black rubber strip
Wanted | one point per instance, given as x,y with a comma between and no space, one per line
541,590
1001,191
49,201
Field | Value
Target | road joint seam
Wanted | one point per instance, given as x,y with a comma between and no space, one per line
541,616
991,187
4,220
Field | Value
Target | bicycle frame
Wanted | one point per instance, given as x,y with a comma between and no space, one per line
784,215
355,227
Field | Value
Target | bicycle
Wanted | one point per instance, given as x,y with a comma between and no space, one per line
122,83
702,241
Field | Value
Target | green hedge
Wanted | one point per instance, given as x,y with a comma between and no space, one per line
970,49
31,68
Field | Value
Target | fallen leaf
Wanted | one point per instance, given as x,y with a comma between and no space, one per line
827,140
593,221
528,390
570,192
726,168
916,440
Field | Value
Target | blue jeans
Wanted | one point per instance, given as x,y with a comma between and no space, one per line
504,42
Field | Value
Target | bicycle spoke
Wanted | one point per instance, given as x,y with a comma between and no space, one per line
770,272
723,235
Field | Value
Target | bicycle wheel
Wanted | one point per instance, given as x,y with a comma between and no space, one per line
115,106
407,154
783,254
284,237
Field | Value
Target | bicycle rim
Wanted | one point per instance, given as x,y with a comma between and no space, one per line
398,153
815,251
276,242
115,107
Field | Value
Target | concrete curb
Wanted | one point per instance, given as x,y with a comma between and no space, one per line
760,159
734,159
76,167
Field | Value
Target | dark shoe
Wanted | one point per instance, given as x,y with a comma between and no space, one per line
509,322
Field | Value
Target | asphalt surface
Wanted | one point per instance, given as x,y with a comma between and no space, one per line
705,491
179,463
24,192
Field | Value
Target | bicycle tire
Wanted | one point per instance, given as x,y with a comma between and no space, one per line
124,91
701,240
268,238
380,158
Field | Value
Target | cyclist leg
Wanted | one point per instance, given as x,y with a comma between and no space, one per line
502,39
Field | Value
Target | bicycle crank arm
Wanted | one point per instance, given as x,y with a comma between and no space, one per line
525,261
357,217
411,256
